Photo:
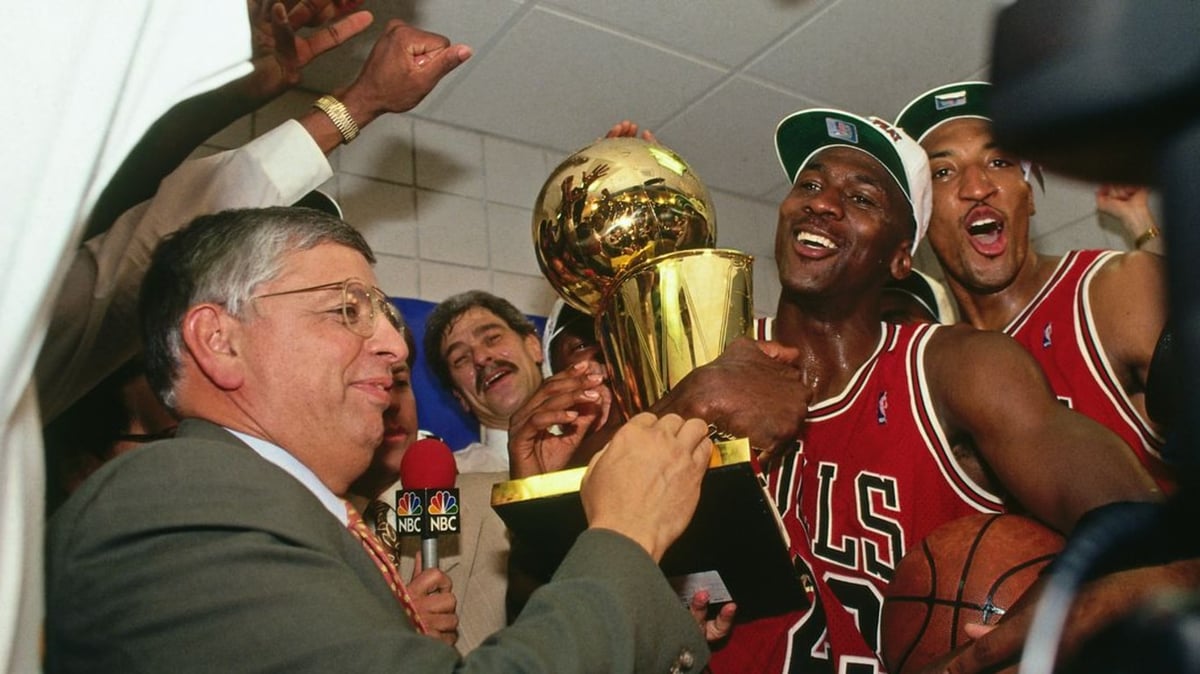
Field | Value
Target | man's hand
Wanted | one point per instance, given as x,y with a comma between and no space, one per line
1130,206
719,627
279,54
646,483
751,390
317,12
575,400
434,601
628,129
1097,604
405,64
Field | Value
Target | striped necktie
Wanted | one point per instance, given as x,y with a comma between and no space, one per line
384,563
378,517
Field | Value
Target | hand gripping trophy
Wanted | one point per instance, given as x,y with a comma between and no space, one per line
624,231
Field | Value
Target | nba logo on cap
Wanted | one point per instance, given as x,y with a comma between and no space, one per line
841,129
950,99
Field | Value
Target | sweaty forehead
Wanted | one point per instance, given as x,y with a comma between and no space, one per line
958,136
862,166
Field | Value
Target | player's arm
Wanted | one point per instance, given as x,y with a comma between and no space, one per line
1129,302
1057,463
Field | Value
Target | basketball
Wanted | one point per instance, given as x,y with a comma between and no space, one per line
969,570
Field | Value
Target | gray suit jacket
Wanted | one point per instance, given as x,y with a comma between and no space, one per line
195,554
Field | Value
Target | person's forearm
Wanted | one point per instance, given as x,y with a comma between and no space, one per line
164,147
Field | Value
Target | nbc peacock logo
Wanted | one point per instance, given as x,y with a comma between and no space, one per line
409,504
443,502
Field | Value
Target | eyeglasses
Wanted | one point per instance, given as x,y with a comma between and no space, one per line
361,303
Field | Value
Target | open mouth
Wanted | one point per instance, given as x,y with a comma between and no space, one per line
988,229
814,241
487,382
986,232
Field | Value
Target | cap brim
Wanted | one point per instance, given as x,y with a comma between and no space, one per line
945,103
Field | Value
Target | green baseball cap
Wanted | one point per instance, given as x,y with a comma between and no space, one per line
803,134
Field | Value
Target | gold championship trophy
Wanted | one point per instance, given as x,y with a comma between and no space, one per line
624,231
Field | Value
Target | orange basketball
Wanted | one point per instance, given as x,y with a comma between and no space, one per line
968,570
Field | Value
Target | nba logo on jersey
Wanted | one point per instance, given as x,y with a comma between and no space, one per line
1047,332
881,408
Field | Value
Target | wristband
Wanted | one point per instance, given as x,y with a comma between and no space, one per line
1146,236
340,116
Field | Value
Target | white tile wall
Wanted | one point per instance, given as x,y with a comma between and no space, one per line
1085,233
448,159
384,212
766,286
510,239
513,173
744,224
452,229
383,150
398,276
532,294
438,281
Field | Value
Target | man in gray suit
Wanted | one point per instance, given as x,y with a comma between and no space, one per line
227,547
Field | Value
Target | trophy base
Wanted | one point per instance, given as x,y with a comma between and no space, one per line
735,547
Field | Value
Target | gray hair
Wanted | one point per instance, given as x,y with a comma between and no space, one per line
222,258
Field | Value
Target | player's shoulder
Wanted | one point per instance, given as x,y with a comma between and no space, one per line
963,339
961,352
1131,266
1133,281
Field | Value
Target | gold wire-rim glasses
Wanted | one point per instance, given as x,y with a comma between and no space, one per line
355,294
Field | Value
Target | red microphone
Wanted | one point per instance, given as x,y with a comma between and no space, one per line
428,503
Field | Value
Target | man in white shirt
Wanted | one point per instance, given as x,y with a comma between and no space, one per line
92,327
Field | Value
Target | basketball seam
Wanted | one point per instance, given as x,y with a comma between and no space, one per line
928,614
962,578
990,602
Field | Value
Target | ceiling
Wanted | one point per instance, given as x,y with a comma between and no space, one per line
711,78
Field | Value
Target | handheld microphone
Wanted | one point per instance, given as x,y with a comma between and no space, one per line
428,503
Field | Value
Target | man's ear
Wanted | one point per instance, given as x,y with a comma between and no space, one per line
211,335
901,263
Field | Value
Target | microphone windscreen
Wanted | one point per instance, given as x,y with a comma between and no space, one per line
428,464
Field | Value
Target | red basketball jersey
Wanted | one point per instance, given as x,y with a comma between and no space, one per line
1058,328
872,475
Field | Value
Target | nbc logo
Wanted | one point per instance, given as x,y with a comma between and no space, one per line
443,503
410,504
